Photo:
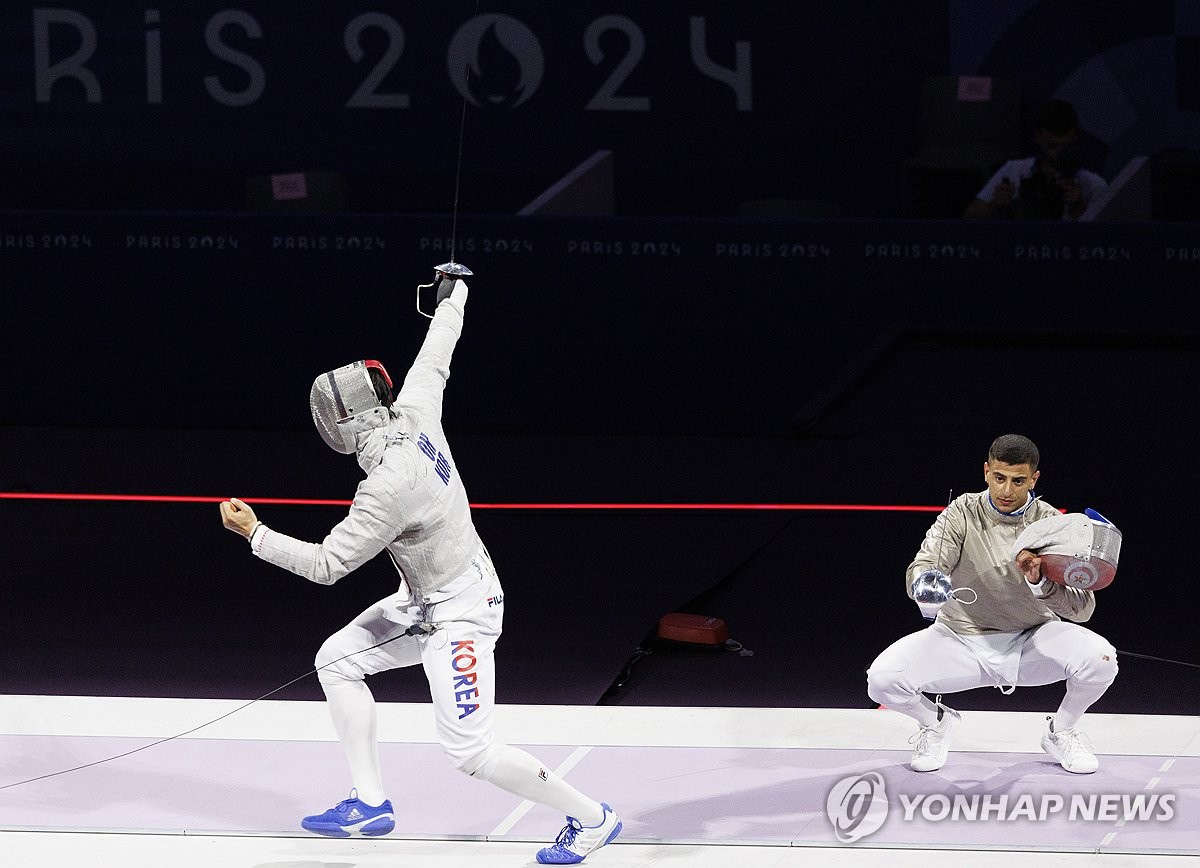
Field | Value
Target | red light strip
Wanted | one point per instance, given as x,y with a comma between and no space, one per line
302,501
167,498
810,507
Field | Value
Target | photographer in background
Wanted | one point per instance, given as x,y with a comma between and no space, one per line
1051,186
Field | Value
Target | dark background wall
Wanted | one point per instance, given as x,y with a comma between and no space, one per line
118,104
161,331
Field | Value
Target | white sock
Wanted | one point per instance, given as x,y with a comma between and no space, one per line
1079,698
921,709
352,708
514,770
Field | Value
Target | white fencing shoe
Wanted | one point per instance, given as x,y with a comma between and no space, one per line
1070,748
933,742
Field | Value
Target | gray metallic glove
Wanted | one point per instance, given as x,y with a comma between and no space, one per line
931,590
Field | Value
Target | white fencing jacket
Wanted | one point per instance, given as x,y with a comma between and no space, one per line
972,542
413,502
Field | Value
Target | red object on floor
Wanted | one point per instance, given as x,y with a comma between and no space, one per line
694,629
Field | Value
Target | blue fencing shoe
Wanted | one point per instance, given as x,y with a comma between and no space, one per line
576,840
352,817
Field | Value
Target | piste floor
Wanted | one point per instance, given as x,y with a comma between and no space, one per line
694,786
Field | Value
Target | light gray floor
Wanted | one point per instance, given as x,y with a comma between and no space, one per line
694,786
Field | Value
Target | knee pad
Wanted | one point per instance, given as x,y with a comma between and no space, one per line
1100,667
333,665
471,761
883,682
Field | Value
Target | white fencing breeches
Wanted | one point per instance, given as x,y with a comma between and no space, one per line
459,663
935,660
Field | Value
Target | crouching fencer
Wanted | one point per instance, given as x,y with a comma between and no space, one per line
1007,581
449,610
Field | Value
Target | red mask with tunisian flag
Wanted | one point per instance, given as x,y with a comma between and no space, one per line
1077,550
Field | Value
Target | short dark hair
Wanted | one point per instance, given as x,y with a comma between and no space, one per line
1014,449
382,390
1058,117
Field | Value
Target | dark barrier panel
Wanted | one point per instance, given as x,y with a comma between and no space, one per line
910,345
158,600
574,325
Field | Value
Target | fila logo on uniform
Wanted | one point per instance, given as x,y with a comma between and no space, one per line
463,663
497,600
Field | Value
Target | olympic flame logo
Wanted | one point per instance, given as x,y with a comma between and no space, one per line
504,57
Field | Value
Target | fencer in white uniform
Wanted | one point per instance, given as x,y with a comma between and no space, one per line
1005,625
449,610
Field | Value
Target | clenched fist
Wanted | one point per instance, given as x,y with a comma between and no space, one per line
238,517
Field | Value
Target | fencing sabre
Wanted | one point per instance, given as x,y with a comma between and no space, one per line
451,271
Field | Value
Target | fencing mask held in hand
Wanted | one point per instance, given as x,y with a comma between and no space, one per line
1077,550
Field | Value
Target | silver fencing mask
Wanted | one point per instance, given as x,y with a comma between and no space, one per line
344,404
1078,550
